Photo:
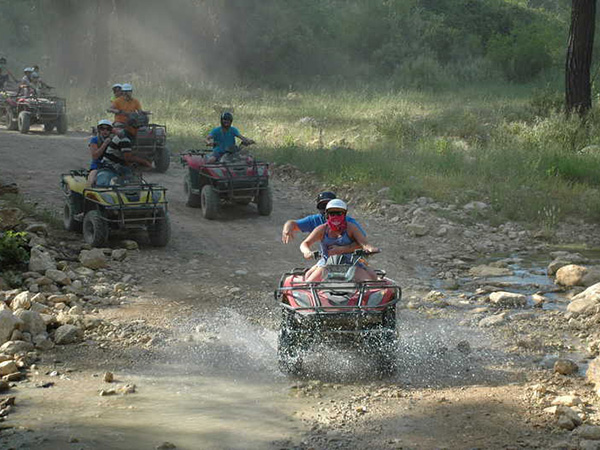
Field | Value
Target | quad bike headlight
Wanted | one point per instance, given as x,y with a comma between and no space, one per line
375,298
108,198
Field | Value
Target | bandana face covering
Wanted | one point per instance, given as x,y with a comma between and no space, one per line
337,223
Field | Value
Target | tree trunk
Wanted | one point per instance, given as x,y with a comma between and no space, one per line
579,56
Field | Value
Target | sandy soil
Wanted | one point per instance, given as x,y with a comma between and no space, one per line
212,380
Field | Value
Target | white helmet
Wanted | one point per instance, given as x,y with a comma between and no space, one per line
126,87
105,122
117,85
28,69
35,75
336,203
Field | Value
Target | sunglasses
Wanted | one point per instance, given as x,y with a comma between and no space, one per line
336,213
104,128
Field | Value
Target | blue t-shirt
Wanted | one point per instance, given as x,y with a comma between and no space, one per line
95,162
309,223
224,138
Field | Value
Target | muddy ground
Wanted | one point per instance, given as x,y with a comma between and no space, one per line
209,378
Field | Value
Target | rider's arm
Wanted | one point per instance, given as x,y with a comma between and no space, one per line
245,140
113,108
131,158
315,236
96,151
360,238
289,230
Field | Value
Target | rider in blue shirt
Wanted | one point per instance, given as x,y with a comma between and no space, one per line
223,138
309,223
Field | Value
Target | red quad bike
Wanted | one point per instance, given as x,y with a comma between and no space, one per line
338,310
236,178
20,112
150,141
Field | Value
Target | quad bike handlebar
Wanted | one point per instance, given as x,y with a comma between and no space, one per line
360,253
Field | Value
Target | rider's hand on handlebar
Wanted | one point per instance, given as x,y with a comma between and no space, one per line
308,254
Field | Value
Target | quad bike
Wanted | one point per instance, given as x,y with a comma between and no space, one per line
22,111
131,204
150,141
338,310
236,178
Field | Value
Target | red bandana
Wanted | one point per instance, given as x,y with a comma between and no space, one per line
337,223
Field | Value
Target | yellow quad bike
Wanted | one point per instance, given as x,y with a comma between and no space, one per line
97,211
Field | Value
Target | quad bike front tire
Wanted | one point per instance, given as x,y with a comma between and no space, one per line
289,354
209,202
162,159
382,346
193,200
95,229
264,202
61,124
11,120
24,121
69,212
159,232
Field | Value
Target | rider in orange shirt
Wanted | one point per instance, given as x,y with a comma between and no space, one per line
123,106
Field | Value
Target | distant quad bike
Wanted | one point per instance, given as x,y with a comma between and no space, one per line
236,178
150,142
338,311
21,112
98,211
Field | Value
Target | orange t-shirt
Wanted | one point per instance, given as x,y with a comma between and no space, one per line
126,106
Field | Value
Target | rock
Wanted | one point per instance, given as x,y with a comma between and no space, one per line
567,400
593,373
475,206
484,271
32,322
585,302
565,367
37,228
68,334
417,229
508,299
109,377
76,310
40,261
59,298
43,342
567,418
591,432
22,301
493,320
129,244
16,347
10,218
538,300
570,275
464,347
8,322
38,307
93,259
585,444
166,446
8,367
4,386
58,276
127,389
17,335
119,254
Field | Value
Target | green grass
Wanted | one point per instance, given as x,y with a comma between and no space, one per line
485,143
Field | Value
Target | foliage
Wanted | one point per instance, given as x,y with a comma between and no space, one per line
14,251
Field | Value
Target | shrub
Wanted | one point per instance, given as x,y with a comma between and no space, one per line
14,251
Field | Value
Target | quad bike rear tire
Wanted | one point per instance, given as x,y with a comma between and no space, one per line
209,202
159,233
61,124
11,120
193,200
48,127
264,202
95,229
24,121
69,212
382,345
162,159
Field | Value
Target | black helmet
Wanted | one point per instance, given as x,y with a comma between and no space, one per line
227,116
323,198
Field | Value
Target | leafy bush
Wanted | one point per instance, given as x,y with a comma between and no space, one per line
14,251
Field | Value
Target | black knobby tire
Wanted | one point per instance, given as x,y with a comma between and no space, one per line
69,212
48,127
209,202
383,347
11,120
290,346
24,121
61,124
264,202
193,200
95,229
159,232
162,159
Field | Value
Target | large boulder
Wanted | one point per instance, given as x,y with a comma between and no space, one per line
32,322
16,347
93,259
570,275
58,276
8,323
508,299
68,334
40,260
22,301
586,302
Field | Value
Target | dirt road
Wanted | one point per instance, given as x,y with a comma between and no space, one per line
213,382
